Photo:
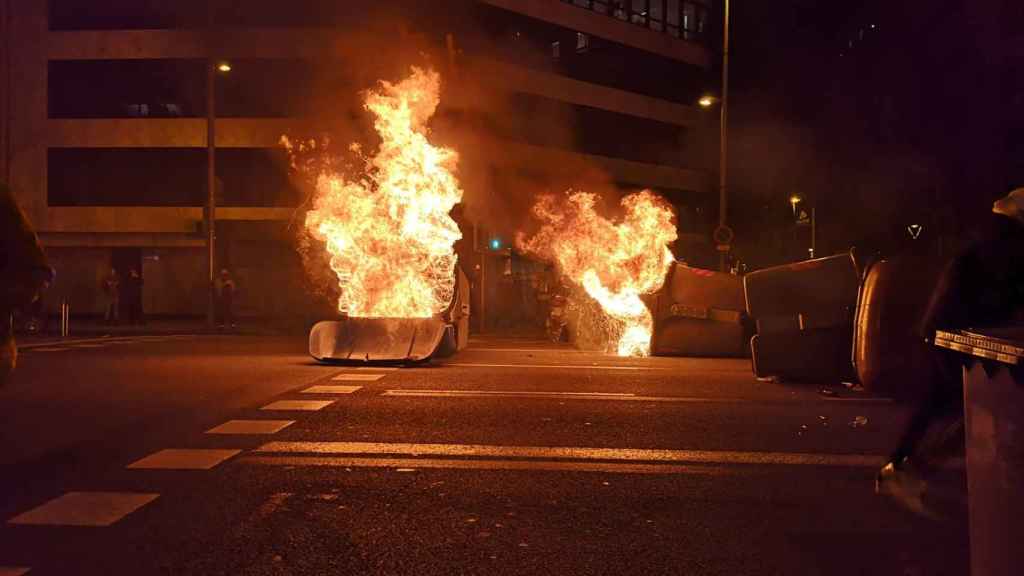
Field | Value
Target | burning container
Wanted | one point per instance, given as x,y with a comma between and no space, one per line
699,313
356,339
388,233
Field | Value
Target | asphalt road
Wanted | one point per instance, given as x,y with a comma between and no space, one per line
140,455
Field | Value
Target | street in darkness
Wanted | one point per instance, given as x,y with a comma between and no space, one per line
239,455
552,287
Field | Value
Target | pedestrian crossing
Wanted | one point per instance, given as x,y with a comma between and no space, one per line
251,427
301,405
184,459
84,509
99,509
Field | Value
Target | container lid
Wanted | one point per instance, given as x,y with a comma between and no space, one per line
1003,344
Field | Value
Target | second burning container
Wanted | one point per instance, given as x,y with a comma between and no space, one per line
699,313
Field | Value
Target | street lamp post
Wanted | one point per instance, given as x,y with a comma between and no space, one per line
211,187
213,66
723,201
794,201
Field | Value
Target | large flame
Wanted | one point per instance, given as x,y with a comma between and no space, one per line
615,263
389,232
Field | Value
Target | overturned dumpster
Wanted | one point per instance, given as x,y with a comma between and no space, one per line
890,354
363,340
699,313
804,315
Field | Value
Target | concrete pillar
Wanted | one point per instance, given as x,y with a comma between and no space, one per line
26,102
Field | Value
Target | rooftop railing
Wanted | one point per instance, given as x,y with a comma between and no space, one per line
685,19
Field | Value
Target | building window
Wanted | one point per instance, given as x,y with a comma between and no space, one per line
686,19
126,88
126,176
582,42
168,177
126,14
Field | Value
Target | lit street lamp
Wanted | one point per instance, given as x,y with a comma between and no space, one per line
706,101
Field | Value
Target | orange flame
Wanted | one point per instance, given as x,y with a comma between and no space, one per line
389,233
615,263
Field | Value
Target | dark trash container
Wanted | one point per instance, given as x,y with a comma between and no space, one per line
804,314
994,421
888,352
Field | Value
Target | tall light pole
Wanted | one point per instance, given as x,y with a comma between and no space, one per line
212,67
723,200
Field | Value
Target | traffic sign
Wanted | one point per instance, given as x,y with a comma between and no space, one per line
723,235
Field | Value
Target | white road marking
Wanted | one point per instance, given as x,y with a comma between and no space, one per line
860,400
305,405
328,389
48,349
411,464
251,427
621,397
89,346
183,459
349,377
378,368
13,570
512,393
551,366
85,509
539,452
523,350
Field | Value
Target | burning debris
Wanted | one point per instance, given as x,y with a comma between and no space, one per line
388,231
615,263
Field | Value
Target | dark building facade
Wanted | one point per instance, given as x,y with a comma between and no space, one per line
104,117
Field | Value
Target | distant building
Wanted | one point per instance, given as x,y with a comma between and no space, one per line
103,121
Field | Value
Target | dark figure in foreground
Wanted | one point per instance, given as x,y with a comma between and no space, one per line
24,273
983,286
226,299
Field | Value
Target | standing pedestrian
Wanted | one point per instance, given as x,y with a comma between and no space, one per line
226,299
132,293
111,288
982,286
24,273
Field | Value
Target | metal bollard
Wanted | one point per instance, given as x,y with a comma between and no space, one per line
65,318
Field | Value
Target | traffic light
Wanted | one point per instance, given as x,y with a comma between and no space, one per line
495,243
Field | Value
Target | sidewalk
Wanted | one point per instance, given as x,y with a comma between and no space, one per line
89,328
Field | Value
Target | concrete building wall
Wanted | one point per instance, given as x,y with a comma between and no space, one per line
80,238
27,35
5,89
